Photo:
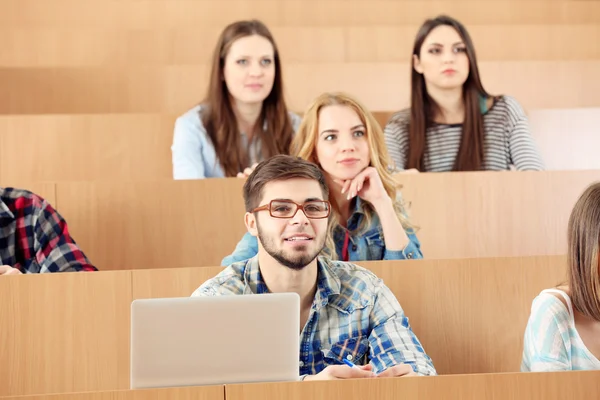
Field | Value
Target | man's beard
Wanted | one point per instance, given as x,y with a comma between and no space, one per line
296,263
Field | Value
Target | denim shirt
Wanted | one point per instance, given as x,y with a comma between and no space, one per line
368,246
193,154
354,316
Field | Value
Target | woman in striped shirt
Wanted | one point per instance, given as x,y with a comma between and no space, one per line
563,332
453,124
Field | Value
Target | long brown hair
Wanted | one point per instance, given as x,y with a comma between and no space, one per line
582,255
219,119
305,143
423,108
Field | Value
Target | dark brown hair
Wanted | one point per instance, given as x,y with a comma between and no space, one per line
423,108
280,168
219,119
582,255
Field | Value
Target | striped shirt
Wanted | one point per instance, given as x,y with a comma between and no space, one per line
354,316
551,340
507,140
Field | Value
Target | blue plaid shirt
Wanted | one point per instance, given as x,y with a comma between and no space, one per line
354,316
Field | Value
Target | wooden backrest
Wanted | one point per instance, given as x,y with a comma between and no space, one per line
469,314
175,89
516,386
567,138
85,147
65,332
179,393
70,332
196,223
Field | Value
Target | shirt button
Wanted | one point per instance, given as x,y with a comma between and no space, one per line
349,357
409,255
354,247
301,364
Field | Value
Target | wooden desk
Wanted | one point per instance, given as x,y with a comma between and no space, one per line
85,147
197,223
64,332
180,393
70,332
469,314
514,386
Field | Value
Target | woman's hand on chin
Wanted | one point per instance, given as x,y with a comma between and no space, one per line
367,185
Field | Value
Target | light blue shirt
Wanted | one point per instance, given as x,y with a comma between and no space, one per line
551,341
354,316
193,154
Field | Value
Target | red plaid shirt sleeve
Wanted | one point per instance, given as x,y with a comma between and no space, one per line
42,242
55,249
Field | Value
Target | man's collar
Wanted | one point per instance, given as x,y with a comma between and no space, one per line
5,213
328,284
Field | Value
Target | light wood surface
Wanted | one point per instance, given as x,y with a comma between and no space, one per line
64,47
381,86
180,393
171,224
47,190
152,14
568,139
172,282
516,386
86,147
165,224
489,214
64,332
469,314
136,147
70,332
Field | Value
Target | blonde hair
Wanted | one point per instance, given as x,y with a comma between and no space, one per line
304,146
582,255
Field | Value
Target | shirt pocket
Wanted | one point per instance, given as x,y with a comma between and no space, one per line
353,349
375,245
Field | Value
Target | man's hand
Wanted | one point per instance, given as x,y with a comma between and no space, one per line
397,370
8,270
334,372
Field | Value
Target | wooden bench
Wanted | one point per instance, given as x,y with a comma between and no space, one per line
70,332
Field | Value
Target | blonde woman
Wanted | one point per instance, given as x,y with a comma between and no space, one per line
563,332
368,221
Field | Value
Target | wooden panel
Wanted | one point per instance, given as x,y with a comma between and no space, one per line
482,304
166,224
86,147
552,128
116,223
297,44
46,190
494,214
64,332
470,314
151,14
172,282
181,393
386,12
382,86
530,386
394,43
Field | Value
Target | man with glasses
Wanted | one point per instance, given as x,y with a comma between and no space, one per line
346,312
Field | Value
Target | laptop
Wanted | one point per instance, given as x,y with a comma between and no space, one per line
194,341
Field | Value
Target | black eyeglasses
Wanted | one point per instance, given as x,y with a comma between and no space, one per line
314,209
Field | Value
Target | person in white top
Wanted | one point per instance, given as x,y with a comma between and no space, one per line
243,118
563,331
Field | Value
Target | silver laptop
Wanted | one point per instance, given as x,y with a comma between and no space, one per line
195,341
